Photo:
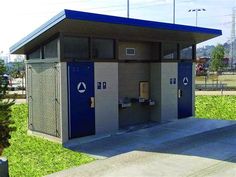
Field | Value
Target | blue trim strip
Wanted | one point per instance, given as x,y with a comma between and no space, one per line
76,15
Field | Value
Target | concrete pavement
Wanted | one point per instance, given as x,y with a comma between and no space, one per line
190,147
20,101
215,93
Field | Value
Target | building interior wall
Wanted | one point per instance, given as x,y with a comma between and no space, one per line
130,75
155,93
161,90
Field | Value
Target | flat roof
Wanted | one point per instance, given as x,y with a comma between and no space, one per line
74,18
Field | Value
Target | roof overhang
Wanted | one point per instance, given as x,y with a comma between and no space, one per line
110,26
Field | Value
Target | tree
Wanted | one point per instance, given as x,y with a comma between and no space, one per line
6,123
217,58
15,69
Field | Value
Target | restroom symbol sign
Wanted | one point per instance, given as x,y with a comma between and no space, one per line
185,81
81,87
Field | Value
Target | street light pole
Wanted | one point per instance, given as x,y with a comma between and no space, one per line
196,11
174,11
196,16
127,8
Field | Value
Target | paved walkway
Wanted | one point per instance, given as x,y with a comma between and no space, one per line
191,147
20,101
215,92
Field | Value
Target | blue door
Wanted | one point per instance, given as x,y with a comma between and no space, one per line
184,90
81,99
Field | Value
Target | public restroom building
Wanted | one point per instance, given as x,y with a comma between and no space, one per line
91,74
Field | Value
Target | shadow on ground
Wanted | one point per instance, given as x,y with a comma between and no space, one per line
212,139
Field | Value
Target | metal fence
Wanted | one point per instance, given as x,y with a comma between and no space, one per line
216,86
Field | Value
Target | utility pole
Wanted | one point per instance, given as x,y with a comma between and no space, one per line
232,40
127,8
196,11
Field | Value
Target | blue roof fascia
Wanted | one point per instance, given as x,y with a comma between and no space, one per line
76,15
53,21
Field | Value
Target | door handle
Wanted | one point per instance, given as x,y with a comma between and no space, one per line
180,93
92,102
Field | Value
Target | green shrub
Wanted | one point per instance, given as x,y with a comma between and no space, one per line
5,124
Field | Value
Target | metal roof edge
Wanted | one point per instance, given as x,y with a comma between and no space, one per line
77,15
53,21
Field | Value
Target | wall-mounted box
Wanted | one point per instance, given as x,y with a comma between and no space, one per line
130,51
144,90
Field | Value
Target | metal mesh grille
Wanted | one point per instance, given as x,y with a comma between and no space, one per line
43,98
48,96
29,93
57,100
36,99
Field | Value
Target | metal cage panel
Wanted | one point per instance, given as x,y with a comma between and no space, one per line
43,98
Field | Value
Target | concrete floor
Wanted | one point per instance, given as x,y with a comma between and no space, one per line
190,147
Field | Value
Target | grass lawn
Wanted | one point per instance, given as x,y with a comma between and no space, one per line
30,156
216,107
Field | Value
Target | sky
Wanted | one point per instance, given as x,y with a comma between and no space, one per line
19,18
